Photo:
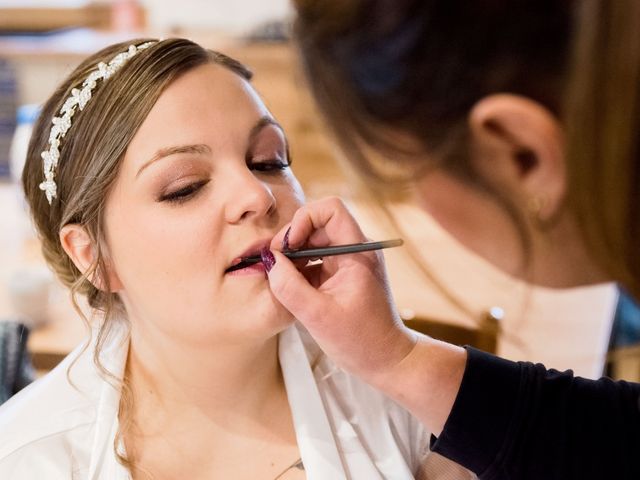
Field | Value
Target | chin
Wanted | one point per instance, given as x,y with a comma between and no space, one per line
259,321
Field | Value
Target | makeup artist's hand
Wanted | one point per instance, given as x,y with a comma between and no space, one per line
345,303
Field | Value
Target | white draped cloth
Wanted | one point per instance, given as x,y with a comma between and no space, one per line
345,429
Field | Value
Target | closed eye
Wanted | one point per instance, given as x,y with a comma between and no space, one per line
183,194
270,166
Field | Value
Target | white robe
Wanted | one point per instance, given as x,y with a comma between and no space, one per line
344,428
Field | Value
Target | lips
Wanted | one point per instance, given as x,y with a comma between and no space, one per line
254,249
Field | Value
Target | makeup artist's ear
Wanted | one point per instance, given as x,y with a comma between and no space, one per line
518,146
77,243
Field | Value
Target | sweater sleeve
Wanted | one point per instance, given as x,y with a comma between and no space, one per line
521,421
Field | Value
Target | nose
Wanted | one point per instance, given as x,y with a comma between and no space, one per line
247,197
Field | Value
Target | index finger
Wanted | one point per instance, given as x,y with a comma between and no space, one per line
321,223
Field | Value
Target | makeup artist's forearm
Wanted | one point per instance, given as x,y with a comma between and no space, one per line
427,381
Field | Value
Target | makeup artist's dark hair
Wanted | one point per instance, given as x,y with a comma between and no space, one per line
416,67
90,157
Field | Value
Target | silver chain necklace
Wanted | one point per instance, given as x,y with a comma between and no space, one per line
297,464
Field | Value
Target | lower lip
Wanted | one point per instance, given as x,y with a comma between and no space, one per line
255,269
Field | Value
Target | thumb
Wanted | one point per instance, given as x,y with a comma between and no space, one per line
293,290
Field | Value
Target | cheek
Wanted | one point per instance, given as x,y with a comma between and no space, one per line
290,197
155,250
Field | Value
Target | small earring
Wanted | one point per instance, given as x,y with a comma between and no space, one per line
535,206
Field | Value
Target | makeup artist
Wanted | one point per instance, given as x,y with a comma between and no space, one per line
534,106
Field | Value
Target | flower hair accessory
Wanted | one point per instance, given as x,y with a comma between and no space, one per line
78,100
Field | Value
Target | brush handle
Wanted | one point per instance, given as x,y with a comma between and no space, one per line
324,251
342,249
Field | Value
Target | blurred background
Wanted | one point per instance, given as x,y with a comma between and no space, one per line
439,286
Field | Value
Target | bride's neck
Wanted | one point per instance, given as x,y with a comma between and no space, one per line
185,402
223,378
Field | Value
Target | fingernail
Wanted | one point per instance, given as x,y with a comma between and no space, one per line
285,240
268,260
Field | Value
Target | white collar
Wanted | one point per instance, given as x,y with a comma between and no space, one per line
316,441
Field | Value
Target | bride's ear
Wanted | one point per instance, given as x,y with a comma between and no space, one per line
78,245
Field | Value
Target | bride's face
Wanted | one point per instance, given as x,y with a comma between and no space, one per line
204,181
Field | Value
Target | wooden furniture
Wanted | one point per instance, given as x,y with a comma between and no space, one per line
624,363
47,15
484,337
50,343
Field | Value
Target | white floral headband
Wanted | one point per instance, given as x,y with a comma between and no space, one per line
78,99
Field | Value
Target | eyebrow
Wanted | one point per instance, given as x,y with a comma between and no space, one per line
202,149
168,151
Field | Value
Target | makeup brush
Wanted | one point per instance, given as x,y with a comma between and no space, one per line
323,252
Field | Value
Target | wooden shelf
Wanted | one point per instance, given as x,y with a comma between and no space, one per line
48,17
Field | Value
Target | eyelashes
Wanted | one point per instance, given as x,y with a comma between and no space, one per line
183,194
271,166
